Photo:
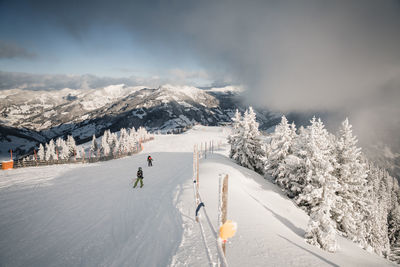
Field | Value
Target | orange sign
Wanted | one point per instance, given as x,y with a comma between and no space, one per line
227,230
5,165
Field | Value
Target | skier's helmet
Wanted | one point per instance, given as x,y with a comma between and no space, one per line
140,168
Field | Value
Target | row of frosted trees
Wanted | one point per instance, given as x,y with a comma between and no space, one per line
328,177
111,144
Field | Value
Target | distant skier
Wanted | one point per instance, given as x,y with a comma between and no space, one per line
149,161
139,178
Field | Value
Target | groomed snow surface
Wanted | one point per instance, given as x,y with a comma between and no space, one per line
89,214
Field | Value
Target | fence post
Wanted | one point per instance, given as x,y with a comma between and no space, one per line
223,216
34,151
197,167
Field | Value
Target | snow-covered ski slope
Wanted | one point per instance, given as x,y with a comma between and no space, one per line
89,215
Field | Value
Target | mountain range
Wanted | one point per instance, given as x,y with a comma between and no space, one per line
28,117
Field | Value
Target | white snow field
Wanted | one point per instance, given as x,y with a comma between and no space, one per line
89,214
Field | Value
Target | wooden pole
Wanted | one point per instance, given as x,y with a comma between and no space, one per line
11,154
197,178
194,150
224,208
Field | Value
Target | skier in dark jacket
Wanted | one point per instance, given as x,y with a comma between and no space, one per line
149,161
139,178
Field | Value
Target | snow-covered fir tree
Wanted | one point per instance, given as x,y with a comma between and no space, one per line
94,146
321,230
123,141
376,225
51,151
352,204
41,153
318,194
71,146
296,166
248,150
105,147
63,150
394,221
78,153
114,143
318,165
233,138
278,150
132,139
142,134
394,233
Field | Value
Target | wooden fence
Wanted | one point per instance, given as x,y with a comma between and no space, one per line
20,163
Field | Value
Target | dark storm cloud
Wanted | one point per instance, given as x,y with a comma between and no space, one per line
9,50
296,54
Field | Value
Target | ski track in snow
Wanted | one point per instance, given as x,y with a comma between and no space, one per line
89,215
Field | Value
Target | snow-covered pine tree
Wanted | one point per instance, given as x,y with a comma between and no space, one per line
105,147
132,140
105,135
94,146
58,147
317,161
51,151
114,143
62,148
297,165
233,138
41,152
64,153
321,231
351,205
318,185
376,224
249,149
123,140
394,233
71,146
142,134
78,153
279,148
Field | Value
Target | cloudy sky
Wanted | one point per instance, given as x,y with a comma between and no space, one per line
290,55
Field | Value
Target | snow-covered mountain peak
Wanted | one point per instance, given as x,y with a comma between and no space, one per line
226,89
189,91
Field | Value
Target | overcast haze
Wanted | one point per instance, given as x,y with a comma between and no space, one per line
290,55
